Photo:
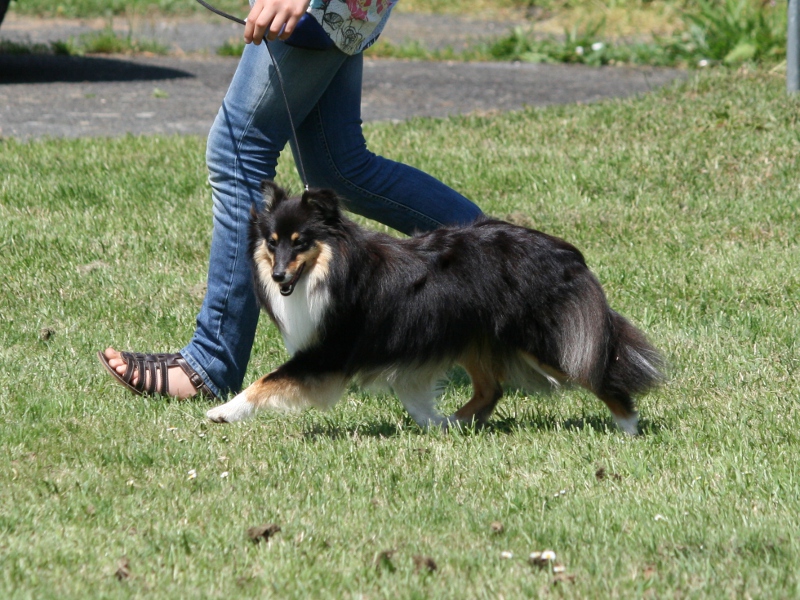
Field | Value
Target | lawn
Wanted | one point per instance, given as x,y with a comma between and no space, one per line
685,203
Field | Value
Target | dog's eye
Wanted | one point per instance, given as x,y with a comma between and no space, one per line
272,243
300,244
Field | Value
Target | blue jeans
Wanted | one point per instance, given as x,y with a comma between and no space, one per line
251,129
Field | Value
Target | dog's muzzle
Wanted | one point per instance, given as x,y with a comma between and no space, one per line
288,287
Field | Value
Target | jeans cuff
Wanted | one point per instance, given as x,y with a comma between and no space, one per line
200,371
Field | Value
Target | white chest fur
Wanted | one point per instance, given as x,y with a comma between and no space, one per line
299,315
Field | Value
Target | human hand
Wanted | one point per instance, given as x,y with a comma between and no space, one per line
273,19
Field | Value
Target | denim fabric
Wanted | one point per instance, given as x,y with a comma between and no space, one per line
251,129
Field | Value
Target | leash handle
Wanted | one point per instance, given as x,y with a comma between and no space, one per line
281,85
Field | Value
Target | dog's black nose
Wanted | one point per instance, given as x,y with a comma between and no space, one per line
278,277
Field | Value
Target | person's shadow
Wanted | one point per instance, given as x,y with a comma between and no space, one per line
47,68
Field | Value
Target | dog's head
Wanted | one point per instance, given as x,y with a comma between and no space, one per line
289,236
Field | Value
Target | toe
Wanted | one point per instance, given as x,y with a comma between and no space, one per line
116,362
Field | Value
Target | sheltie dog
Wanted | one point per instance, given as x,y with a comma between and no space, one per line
511,305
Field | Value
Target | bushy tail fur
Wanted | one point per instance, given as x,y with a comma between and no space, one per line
637,366
633,367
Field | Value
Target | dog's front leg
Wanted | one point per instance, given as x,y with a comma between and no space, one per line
293,386
238,409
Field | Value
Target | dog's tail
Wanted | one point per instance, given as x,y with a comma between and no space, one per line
631,367
606,354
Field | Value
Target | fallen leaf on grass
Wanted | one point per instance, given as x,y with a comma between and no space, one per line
497,527
262,532
424,563
563,578
601,474
384,561
123,571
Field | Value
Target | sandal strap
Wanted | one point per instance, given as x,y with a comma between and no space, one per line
154,373
194,377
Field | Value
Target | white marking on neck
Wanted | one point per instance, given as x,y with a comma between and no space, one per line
300,315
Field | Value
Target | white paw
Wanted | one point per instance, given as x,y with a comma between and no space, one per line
629,425
432,423
237,409
455,423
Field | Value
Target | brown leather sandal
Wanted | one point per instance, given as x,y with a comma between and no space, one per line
157,366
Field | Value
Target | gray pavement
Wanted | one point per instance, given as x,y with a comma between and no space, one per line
42,95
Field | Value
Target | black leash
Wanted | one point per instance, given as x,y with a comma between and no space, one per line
299,158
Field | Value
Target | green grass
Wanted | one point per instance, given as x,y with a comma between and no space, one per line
104,8
685,205
108,41
94,8
728,32
657,33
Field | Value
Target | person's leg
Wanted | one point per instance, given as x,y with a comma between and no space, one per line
335,155
245,141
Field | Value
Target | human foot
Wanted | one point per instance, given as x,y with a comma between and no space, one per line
164,374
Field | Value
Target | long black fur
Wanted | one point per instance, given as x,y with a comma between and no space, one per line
429,299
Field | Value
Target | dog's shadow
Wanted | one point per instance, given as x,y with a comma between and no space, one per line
599,423
502,423
498,426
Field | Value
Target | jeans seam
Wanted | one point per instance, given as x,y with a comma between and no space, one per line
229,280
236,176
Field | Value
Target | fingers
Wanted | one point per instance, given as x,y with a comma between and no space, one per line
288,28
273,19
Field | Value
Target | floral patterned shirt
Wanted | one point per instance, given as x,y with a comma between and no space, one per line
353,25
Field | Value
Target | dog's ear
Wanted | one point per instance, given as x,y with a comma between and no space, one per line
324,202
272,193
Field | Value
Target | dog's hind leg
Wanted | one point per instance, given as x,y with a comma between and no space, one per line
486,392
623,411
279,390
418,394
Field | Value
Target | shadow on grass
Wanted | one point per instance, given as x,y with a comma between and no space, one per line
459,384
599,423
43,68
378,430
497,426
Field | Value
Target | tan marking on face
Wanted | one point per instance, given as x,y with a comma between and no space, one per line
295,237
264,261
323,260
317,260
274,237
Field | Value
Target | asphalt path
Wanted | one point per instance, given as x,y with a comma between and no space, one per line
45,95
